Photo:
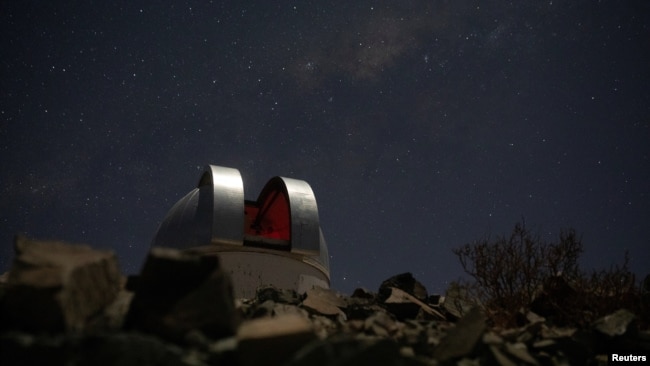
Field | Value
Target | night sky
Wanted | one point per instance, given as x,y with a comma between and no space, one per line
420,125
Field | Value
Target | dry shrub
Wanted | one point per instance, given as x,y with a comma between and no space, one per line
512,274
605,291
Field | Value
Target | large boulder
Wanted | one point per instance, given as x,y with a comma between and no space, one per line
406,306
405,282
56,286
179,292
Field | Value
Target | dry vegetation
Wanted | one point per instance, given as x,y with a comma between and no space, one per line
519,273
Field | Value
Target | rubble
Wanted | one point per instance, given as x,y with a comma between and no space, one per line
180,311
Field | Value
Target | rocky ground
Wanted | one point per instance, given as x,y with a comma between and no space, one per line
64,304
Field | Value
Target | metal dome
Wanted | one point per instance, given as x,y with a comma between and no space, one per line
212,212
275,239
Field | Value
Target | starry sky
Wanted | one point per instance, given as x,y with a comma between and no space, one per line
421,125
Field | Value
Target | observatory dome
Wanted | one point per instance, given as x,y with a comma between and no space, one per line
274,240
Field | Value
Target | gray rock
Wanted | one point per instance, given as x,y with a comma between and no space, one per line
362,293
272,341
262,309
56,286
401,304
285,296
124,349
324,326
519,352
500,357
418,336
461,340
405,282
284,309
406,306
18,348
346,351
457,302
361,307
324,301
575,349
533,318
556,332
615,324
492,338
178,292
185,297
113,315
130,349
380,324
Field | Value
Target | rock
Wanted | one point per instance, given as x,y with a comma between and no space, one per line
130,349
519,352
18,348
284,309
405,282
533,318
555,332
616,324
56,286
324,326
180,291
272,341
184,296
500,357
114,314
264,309
380,324
406,306
270,308
492,338
346,351
124,349
361,304
324,301
434,300
456,302
576,349
418,336
544,343
401,304
285,296
511,354
463,339
362,311
362,293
